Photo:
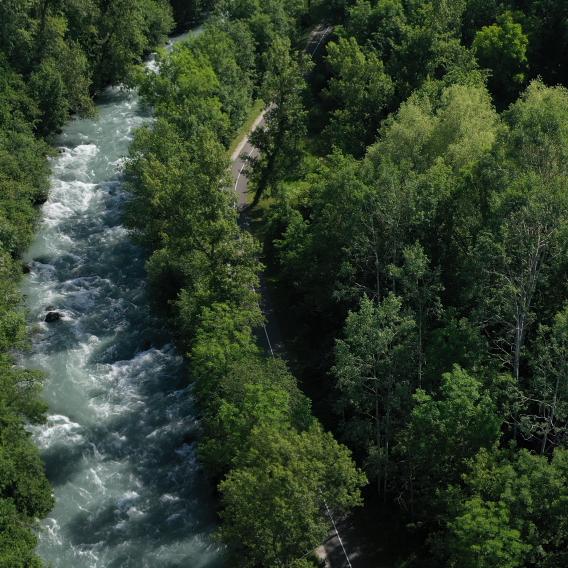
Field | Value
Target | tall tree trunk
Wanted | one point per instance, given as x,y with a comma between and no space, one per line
517,347
387,448
378,437
420,356
550,421
377,275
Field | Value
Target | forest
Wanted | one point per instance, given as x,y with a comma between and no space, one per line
276,468
409,213
417,241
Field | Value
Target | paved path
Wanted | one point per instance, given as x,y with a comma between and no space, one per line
271,338
238,163
245,148
333,550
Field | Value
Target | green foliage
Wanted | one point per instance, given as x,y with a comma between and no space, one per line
518,500
274,462
268,21
207,80
127,30
278,140
360,216
241,395
382,25
229,52
502,48
224,337
544,22
274,509
25,494
536,137
549,385
459,214
521,246
333,10
477,15
200,256
360,92
372,379
415,41
68,50
421,289
326,234
17,31
465,417
17,542
46,85
483,537
453,341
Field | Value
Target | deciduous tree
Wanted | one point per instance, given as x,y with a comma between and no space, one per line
371,369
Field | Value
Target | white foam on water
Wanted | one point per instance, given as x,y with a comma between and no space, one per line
114,440
52,531
58,430
166,498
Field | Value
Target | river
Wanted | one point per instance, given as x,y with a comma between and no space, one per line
119,441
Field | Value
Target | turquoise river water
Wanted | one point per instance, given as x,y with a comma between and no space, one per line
118,443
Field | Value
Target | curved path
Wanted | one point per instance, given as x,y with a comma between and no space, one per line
338,551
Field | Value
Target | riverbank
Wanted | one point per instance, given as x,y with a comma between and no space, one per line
269,455
119,444
50,67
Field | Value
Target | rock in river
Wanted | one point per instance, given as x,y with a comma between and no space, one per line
52,317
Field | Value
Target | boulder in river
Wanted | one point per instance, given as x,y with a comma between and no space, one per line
52,317
41,198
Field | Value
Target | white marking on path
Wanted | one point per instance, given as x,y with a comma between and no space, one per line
268,339
324,35
242,168
337,533
235,156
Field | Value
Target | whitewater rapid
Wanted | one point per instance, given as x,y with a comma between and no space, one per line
119,443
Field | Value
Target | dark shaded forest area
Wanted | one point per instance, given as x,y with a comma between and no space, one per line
417,243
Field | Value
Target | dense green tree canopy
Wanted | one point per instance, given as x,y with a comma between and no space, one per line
360,91
412,206
274,500
439,183
502,47
275,465
465,418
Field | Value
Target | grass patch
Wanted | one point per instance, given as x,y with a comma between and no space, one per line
258,216
255,110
